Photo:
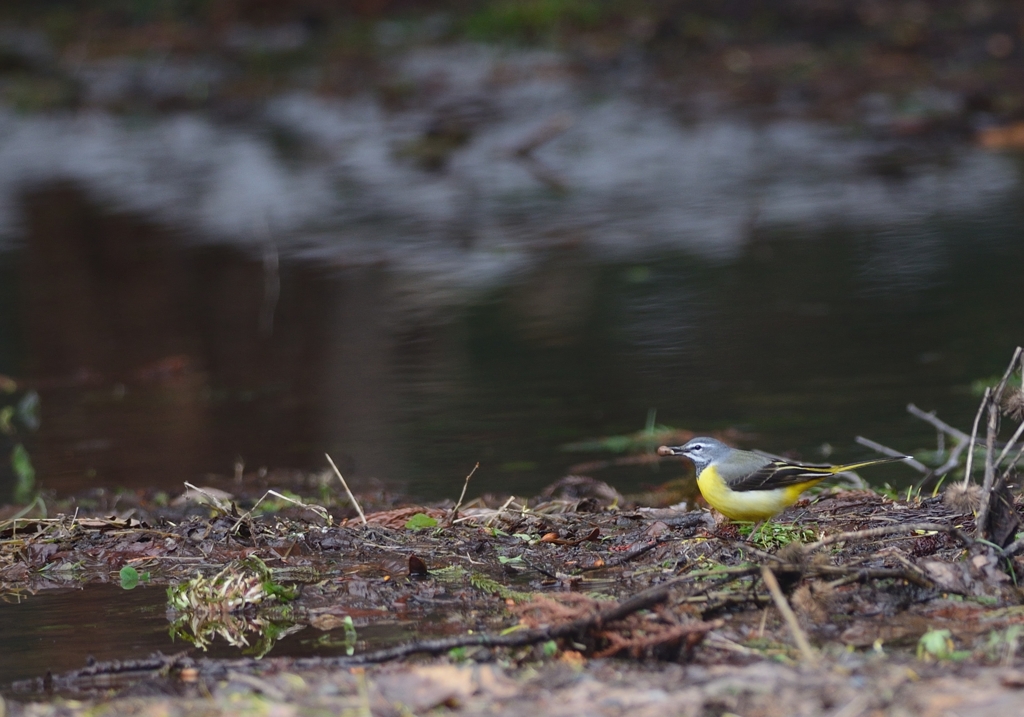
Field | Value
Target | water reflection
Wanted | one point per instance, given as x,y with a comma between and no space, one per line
59,630
155,366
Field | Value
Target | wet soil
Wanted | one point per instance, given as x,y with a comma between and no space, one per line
573,602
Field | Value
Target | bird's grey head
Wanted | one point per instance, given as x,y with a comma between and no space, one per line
701,450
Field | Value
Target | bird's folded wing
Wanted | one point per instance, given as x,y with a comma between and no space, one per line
779,474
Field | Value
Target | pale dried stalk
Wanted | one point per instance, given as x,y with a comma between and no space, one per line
1009,445
974,436
960,439
988,484
788,615
455,511
359,509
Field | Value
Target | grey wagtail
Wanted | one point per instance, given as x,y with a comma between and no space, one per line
744,485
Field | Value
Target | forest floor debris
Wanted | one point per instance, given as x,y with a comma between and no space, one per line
519,610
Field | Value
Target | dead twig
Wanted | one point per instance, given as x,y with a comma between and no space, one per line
623,559
974,436
960,440
885,530
537,568
886,451
1006,449
455,510
218,503
988,482
930,417
1013,548
806,651
318,509
952,461
497,514
992,428
854,573
344,485
1012,464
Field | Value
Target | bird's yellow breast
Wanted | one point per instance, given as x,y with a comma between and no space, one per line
750,504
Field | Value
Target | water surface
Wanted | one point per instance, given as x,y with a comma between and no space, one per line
187,293
156,361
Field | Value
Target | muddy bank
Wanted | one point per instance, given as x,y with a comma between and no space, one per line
543,605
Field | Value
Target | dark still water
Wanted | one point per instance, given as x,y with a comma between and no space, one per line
58,630
158,361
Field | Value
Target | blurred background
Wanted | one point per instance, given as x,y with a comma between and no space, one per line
236,234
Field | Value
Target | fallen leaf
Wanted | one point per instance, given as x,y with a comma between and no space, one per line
417,568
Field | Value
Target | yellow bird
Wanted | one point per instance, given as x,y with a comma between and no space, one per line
744,485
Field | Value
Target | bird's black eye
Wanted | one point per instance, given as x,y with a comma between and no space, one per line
697,447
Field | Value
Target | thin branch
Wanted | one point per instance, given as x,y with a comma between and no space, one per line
952,461
623,559
217,502
851,574
1006,449
455,511
929,417
886,451
886,530
990,470
1012,464
960,439
990,442
788,615
542,571
318,509
344,485
1013,548
1006,374
974,436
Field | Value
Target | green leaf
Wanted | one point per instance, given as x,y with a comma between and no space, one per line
350,635
550,648
6,414
129,577
25,486
420,521
284,593
935,644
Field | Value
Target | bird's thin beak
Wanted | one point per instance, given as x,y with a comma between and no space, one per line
671,451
